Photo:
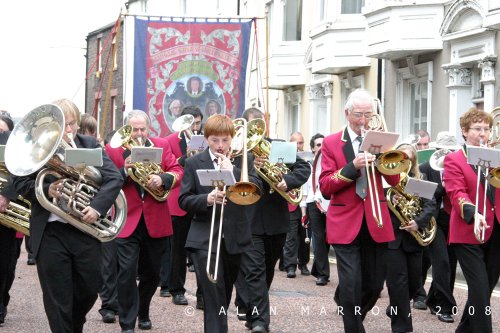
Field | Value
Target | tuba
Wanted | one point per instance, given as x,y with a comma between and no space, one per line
141,172
39,134
17,215
272,173
407,208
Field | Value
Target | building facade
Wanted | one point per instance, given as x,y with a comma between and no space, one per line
427,60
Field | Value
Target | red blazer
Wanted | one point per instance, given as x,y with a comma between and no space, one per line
338,183
460,182
174,140
156,214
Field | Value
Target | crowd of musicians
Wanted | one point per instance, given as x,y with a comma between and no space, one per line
234,236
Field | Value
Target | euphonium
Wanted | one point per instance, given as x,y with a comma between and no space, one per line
141,171
272,173
17,215
39,135
407,208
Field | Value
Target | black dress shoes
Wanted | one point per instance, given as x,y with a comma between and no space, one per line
446,318
128,331
290,273
304,270
259,329
180,299
419,305
108,317
145,324
165,293
321,281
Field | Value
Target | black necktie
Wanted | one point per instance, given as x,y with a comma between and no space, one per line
361,181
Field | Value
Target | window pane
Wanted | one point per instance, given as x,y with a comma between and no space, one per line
292,20
352,6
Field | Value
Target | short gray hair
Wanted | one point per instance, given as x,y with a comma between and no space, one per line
356,96
140,114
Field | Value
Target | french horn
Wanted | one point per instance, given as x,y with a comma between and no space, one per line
39,135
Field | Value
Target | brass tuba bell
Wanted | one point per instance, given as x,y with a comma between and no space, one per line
39,135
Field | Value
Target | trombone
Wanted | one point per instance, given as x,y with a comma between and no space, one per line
213,276
241,193
390,163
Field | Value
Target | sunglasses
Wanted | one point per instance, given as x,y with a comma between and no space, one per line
318,144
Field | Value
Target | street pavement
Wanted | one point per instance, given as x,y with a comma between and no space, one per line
297,305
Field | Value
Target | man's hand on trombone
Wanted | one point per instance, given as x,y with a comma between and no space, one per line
216,197
479,225
360,161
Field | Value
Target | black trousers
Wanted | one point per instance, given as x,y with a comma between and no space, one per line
109,272
321,266
403,280
256,276
440,295
68,265
178,266
217,296
166,263
360,267
295,249
138,254
480,266
8,251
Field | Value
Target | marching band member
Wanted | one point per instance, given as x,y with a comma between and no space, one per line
181,220
317,220
201,200
270,223
8,242
479,261
359,244
68,260
404,254
295,251
142,241
444,263
109,262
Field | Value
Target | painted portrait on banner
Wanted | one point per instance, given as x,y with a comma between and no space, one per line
186,63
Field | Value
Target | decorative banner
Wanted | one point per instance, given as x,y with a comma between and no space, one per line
180,63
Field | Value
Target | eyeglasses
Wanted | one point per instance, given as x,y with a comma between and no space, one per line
72,124
367,115
480,129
